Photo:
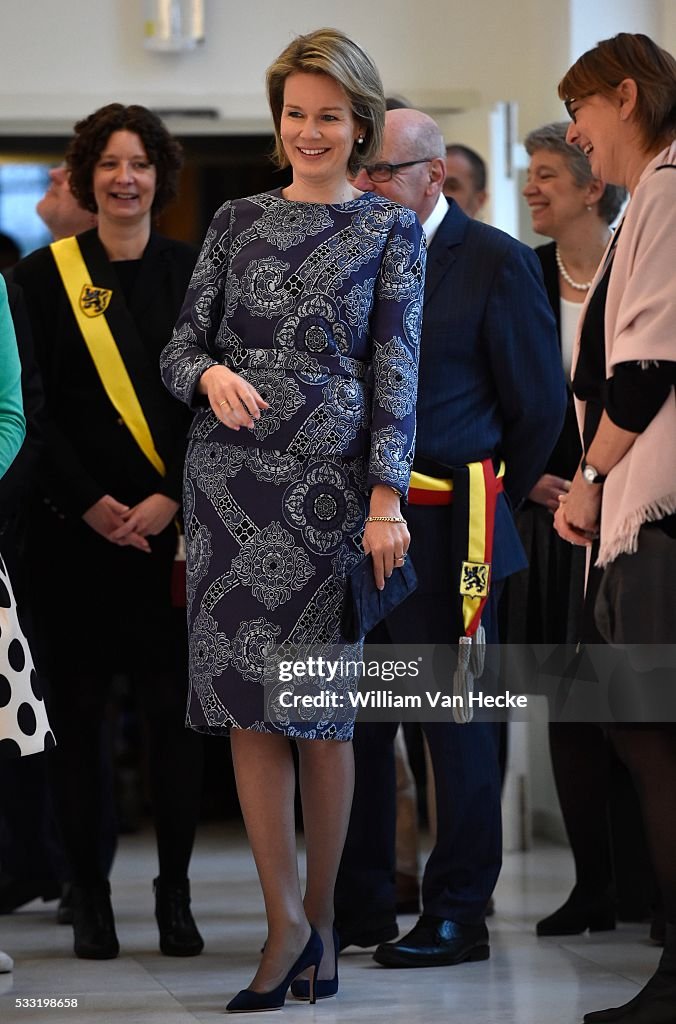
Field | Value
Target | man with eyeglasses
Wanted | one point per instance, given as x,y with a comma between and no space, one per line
491,391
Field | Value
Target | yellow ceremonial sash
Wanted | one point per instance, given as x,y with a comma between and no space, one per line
484,486
477,561
89,304
478,506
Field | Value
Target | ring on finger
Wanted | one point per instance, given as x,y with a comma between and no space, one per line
224,402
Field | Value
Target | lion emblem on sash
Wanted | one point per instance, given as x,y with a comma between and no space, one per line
474,579
94,301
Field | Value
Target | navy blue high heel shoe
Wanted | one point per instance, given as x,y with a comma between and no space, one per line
247,1000
324,987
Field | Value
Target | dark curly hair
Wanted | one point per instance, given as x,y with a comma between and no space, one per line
91,137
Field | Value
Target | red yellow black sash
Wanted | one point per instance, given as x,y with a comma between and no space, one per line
473,491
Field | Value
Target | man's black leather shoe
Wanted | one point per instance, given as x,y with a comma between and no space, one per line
367,931
435,942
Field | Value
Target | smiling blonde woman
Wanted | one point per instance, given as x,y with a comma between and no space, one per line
297,349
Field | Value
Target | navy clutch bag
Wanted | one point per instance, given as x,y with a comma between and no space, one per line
364,606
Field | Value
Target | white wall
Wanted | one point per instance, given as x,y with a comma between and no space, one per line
63,60
668,39
589,24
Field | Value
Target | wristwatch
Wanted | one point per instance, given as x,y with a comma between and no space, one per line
591,475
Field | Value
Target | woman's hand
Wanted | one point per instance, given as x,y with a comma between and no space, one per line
547,490
106,516
147,519
234,401
386,542
578,515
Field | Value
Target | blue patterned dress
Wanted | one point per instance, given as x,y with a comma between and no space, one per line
319,308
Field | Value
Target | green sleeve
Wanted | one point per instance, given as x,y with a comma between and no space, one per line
12,422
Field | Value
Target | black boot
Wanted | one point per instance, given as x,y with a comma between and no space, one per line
579,912
656,1003
178,931
93,922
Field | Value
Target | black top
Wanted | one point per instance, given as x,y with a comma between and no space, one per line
90,452
589,382
636,393
633,396
127,272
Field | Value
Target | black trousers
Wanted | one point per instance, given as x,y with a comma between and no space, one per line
464,865
101,610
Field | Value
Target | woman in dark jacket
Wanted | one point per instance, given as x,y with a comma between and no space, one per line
102,306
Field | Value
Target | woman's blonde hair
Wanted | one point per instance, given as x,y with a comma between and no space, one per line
327,51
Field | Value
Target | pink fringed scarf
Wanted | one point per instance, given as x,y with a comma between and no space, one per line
640,324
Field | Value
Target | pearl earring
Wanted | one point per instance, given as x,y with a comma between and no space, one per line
360,140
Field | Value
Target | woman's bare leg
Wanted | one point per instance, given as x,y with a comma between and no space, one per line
326,786
265,775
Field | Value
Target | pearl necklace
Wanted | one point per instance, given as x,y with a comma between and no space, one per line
566,276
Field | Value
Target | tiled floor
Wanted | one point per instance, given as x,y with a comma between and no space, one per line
526,981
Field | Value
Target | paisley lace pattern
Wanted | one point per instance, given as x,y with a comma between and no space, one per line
319,308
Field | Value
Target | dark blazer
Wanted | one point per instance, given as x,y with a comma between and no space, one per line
567,451
89,451
550,277
491,382
119,596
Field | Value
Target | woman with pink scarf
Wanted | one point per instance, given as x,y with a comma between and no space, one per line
621,97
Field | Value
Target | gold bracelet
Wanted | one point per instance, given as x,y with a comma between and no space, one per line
391,488
384,519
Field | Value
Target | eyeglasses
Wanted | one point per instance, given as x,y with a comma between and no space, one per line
384,172
568,104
